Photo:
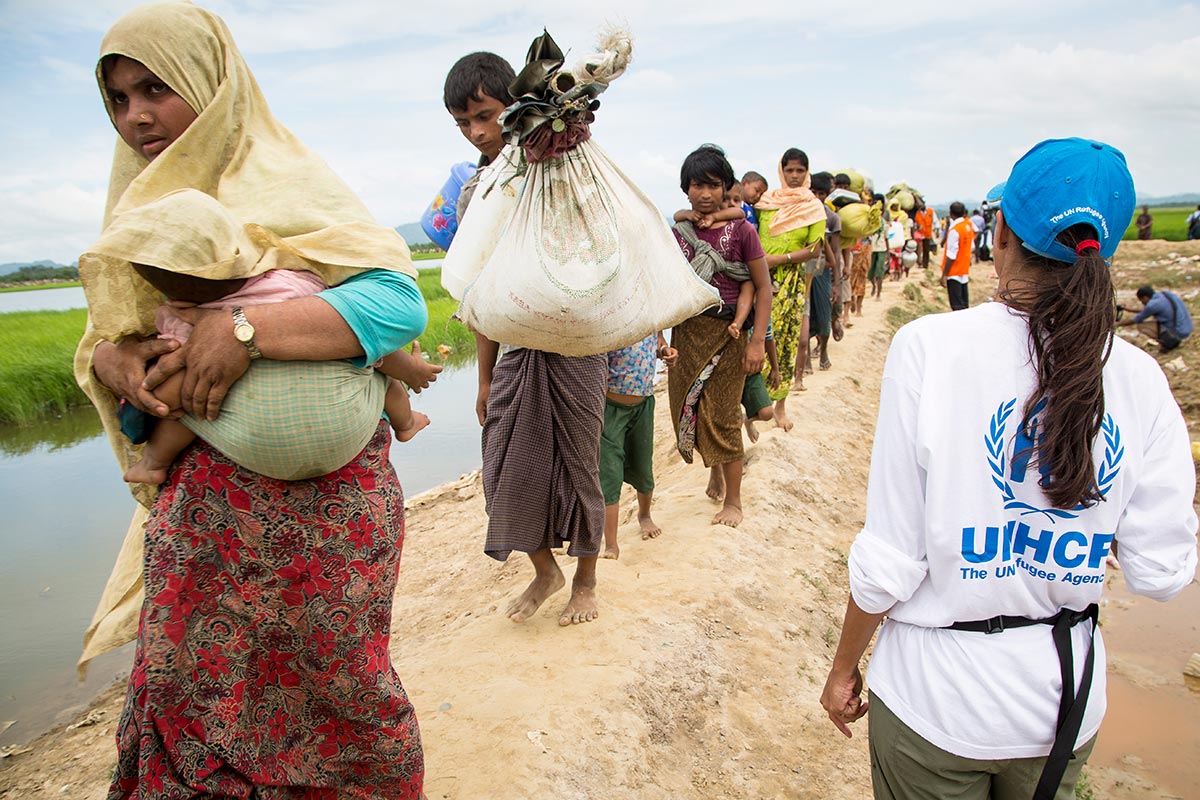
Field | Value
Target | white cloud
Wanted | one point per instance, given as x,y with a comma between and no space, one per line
55,222
945,93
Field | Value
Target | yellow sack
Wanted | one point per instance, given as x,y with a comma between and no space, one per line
859,220
858,179
904,194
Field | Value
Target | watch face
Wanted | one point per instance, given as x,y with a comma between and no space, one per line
243,333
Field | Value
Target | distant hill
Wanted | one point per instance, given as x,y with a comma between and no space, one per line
1190,199
412,233
8,269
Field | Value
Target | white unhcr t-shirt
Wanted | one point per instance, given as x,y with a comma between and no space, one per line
957,529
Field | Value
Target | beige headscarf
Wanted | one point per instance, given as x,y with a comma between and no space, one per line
214,242
797,208
238,153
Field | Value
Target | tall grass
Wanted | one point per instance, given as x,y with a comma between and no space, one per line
442,330
31,287
37,347
36,350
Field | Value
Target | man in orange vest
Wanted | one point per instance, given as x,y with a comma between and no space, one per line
956,258
924,232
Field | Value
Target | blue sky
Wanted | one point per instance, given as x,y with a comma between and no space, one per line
943,95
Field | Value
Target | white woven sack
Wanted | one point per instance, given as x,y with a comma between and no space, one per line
586,264
491,207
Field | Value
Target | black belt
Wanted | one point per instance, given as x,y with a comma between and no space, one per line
1070,704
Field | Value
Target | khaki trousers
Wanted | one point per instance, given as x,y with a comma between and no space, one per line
904,766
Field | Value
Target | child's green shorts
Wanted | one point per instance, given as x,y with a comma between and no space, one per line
627,448
754,394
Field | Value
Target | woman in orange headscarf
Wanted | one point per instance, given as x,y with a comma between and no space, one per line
791,226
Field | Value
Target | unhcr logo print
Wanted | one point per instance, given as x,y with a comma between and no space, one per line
1024,444
1045,554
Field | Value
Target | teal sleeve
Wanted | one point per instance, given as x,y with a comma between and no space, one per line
384,309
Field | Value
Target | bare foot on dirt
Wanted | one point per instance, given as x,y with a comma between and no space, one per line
716,485
730,516
782,420
534,595
582,607
146,471
751,431
650,529
798,386
613,552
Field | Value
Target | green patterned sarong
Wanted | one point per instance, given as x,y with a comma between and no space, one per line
787,307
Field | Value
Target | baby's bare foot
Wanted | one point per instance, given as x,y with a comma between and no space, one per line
418,422
145,471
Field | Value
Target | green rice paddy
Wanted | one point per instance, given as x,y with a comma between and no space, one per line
37,348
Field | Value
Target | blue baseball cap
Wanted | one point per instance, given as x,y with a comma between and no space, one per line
1063,182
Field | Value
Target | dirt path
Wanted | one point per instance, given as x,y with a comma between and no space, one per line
701,677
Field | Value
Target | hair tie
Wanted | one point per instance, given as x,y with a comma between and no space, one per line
1085,245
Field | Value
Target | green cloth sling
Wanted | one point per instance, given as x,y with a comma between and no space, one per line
707,261
294,420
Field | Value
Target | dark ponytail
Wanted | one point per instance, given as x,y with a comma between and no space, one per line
1072,312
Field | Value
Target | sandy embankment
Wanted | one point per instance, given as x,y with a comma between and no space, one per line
699,680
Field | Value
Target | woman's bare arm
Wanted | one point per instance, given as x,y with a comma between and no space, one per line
304,329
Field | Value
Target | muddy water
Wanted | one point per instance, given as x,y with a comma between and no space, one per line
43,300
1152,727
63,511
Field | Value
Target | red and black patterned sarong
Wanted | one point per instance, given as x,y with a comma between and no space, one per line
262,666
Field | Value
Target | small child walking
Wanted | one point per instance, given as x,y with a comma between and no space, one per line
627,440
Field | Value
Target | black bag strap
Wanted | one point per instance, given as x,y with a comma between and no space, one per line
1171,298
1071,704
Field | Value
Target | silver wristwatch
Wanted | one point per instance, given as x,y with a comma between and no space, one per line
243,331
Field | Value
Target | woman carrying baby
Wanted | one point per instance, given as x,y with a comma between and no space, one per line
262,666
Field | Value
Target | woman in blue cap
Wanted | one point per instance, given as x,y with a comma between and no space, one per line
998,488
